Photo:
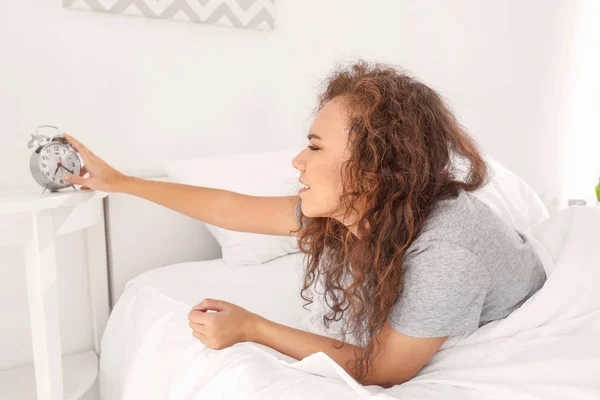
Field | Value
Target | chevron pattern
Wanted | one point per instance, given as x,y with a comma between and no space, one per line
251,14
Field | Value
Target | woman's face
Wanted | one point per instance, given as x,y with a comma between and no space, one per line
320,167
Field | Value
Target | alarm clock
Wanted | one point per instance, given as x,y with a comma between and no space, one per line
52,158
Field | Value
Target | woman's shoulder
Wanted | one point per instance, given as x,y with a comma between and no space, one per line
464,221
450,215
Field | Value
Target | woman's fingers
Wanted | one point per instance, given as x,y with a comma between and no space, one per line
77,180
73,142
84,151
197,327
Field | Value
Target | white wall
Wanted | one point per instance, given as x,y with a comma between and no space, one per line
582,141
138,90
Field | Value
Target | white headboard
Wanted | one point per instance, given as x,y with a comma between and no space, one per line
142,235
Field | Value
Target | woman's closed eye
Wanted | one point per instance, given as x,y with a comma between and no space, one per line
313,148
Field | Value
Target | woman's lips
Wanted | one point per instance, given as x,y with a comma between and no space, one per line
303,190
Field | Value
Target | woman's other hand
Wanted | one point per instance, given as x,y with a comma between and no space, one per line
101,175
231,324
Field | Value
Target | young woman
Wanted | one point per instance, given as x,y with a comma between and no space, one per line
406,255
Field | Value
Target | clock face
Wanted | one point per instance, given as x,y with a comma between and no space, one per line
56,160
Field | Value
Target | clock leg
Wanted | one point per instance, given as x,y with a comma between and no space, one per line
40,265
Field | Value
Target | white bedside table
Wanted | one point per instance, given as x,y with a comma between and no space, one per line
27,217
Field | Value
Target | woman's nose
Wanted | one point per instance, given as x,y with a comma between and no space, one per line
297,161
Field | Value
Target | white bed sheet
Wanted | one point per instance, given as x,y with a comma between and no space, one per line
547,349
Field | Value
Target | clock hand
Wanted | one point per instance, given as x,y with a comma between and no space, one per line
60,165
67,169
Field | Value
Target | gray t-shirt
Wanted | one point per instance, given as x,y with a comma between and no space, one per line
466,267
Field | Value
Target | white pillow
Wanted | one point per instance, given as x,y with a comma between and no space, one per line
272,174
509,196
257,174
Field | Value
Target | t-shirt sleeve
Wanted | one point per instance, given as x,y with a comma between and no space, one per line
444,290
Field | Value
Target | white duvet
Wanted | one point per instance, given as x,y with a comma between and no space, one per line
549,348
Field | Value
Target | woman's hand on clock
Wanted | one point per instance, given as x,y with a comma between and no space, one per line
101,175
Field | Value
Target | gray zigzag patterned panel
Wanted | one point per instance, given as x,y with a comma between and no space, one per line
252,14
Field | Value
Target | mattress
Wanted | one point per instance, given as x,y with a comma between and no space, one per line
548,348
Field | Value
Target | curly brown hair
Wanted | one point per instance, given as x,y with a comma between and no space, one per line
403,141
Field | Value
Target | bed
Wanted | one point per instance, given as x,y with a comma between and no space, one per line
546,349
